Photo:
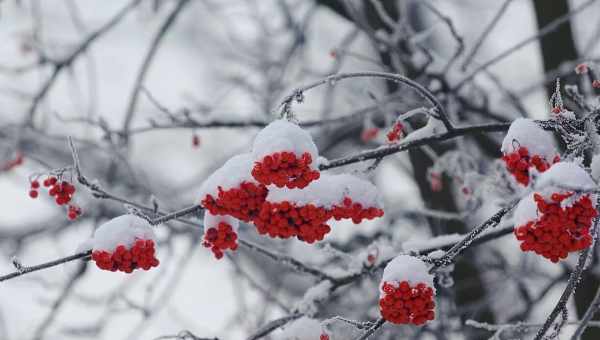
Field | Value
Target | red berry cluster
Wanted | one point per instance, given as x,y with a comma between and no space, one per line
73,212
596,84
369,134
141,255
220,238
403,304
284,169
396,132
286,220
13,163
354,211
559,230
243,203
519,162
324,337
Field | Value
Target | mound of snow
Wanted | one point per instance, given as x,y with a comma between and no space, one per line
330,190
565,174
525,211
433,127
595,167
212,221
282,135
525,132
235,171
122,230
407,268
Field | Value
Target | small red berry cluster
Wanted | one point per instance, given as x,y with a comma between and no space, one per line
405,304
73,212
13,163
519,162
220,238
284,169
559,230
141,255
596,84
62,191
395,133
287,220
581,68
243,203
369,134
324,337
355,211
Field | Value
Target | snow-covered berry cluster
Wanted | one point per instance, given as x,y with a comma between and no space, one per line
553,222
279,188
406,292
395,133
403,303
527,147
220,233
284,169
125,243
519,162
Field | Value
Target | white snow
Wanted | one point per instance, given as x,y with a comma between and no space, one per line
595,167
303,328
122,230
314,295
417,244
433,127
330,190
212,221
86,245
281,135
565,175
406,268
525,132
235,171
525,211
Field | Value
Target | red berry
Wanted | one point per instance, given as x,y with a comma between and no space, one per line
195,141
35,184
33,193
369,134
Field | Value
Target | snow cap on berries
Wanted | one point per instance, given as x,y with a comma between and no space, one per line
526,133
230,175
406,268
282,135
565,176
330,190
123,230
303,328
526,210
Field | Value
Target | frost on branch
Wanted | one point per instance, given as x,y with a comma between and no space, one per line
303,328
304,212
124,243
407,291
313,296
284,155
434,126
555,221
220,233
231,190
526,146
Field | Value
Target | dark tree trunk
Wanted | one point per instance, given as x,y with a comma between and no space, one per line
558,47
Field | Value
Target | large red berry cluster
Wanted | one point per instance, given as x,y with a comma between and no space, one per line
520,161
141,255
559,230
285,220
403,304
395,133
243,203
284,169
220,238
354,211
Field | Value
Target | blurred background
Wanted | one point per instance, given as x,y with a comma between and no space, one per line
157,94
